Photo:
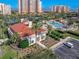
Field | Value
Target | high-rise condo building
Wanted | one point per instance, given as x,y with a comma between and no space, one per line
5,9
23,6
60,9
30,6
38,6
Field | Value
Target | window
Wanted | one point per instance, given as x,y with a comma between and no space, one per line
42,37
32,41
38,38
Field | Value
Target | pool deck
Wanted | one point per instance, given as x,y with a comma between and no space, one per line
56,25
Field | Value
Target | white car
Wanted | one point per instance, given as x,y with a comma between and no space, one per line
69,44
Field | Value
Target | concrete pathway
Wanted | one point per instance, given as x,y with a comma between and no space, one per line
42,45
58,44
54,46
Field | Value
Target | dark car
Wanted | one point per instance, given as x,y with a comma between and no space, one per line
68,44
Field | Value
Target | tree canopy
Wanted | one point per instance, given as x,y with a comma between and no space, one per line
24,44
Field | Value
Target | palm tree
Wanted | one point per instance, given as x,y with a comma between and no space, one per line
69,21
14,38
36,26
49,27
45,18
3,28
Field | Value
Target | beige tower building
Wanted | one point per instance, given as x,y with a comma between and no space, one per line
39,6
60,9
5,9
30,6
23,6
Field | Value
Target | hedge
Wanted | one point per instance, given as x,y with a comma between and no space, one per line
54,34
60,31
24,44
73,33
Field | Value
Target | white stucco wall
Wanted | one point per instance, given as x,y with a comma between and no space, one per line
10,32
32,38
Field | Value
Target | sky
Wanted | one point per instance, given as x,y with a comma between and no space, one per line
73,4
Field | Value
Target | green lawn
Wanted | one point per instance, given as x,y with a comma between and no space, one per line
66,35
8,53
71,35
58,33
55,34
74,34
77,37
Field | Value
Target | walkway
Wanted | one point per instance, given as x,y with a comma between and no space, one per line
58,44
42,45
54,46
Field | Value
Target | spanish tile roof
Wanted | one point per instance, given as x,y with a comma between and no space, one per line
23,30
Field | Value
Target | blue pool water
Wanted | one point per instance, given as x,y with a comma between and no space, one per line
56,24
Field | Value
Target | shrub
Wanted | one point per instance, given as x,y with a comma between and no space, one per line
55,34
60,31
73,33
24,44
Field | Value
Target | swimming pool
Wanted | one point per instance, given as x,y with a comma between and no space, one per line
56,24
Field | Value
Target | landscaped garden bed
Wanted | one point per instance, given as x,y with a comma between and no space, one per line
62,32
34,49
49,42
55,34
23,44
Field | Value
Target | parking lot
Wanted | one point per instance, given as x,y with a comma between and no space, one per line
63,52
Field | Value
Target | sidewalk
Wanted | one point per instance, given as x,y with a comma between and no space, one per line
58,44
42,45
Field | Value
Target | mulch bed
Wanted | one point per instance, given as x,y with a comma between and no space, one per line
49,42
34,49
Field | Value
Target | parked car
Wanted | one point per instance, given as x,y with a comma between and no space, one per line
69,44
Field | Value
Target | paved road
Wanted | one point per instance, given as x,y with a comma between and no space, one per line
58,44
68,53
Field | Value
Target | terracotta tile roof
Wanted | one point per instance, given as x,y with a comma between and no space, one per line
23,30
41,30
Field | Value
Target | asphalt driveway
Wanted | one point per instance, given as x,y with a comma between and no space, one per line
64,52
